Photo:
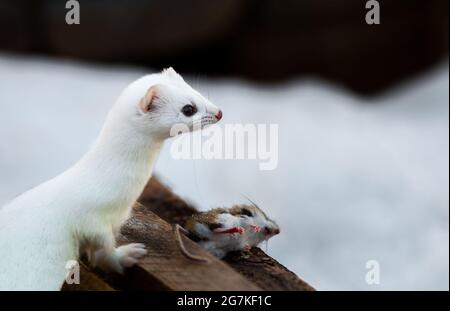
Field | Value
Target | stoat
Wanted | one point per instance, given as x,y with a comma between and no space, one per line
81,210
223,230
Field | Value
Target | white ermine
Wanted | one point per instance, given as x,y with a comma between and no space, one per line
81,210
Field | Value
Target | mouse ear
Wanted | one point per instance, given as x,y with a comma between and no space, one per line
146,102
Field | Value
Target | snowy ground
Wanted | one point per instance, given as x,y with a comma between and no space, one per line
355,181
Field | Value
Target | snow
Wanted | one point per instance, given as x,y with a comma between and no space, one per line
358,179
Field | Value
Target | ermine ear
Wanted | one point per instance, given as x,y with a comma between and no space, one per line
172,73
146,102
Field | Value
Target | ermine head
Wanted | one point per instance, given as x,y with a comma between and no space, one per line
158,103
253,219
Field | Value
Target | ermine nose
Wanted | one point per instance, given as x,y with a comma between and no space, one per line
276,231
219,115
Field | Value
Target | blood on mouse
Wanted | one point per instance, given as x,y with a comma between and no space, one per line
223,230
238,230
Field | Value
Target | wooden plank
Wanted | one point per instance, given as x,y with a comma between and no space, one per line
165,268
89,281
256,266
266,272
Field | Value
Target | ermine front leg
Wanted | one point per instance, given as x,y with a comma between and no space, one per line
116,259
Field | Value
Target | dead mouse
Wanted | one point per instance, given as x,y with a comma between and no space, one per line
223,230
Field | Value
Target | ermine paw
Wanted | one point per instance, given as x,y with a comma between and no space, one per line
122,257
128,255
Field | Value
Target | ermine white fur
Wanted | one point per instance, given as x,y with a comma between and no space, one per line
81,210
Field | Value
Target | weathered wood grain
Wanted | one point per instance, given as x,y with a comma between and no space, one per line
256,265
168,266
89,281
265,271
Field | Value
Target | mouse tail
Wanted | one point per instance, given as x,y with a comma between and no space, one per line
177,230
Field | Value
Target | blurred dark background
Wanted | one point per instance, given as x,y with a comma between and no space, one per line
262,40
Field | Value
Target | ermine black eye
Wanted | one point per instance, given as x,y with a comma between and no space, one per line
246,212
189,110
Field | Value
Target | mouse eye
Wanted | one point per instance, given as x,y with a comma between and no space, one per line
189,110
246,212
